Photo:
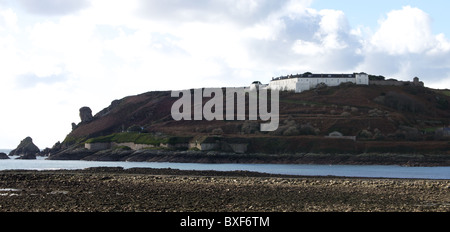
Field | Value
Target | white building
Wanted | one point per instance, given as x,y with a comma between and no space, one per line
307,81
256,85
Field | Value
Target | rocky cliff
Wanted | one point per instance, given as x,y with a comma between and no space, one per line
382,119
26,149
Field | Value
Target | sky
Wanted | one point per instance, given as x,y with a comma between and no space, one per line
57,56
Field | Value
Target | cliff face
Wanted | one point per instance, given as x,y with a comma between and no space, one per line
378,114
144,110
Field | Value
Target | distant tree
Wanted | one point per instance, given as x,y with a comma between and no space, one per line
403,102
307,129
442,103
365,134
291,131
217,131
249,127
376,78
407,133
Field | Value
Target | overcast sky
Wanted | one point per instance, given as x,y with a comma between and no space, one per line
59,55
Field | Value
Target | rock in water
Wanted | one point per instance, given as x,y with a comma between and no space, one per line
85,114
27,156
26,149
3,156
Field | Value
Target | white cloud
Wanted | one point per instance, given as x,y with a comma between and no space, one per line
8,20
332,22
308,48
443,83
268,29
442,45
331,34
404,31
92,52
404,46
241,12
53,7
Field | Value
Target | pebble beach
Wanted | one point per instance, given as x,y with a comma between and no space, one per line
170,190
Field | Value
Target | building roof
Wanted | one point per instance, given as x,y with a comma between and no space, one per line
311,75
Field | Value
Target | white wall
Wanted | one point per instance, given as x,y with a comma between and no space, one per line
284,85
362,79
302,84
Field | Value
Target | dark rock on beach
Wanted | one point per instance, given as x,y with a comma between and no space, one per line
190,156
49,151
27,157
3,156
169,190
71,154
26,149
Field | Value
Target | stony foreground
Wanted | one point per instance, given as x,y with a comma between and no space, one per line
151,190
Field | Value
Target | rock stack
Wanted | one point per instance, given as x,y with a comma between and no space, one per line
85,114
26,149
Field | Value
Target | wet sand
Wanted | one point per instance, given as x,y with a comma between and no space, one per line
169,190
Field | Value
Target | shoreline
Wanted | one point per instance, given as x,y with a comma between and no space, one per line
172,190
393,171
413,160
199,173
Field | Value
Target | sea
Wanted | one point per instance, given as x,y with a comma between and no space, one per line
369,171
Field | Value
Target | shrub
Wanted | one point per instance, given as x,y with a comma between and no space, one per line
250,127
132,137
291,131
442,103
379,136
217,131
403,102
346,114
134,128
408,133
307,129
376,78
365,134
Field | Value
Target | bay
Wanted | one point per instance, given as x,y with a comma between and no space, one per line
372,171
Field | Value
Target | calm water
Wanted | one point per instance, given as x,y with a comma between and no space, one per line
382,171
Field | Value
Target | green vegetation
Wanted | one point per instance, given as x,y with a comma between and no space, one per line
376,78
430,129
134,128
442,104
123,148
445,92
301,102
179,140
130,137
139,138
70,140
